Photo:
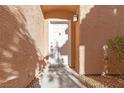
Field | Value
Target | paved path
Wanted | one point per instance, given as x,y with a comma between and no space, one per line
57,77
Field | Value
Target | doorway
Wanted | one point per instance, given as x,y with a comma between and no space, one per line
59,42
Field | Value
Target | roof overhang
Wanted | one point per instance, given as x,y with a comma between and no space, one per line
47,9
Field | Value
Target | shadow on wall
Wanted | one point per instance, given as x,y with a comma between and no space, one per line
65,49
18,54
101,24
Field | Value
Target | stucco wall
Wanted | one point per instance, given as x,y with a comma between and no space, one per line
97,25
21,44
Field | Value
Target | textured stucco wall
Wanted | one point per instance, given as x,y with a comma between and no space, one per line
21,44
97,25
35,24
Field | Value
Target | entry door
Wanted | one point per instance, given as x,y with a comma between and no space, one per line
59,42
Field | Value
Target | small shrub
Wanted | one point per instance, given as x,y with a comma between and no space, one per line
116,46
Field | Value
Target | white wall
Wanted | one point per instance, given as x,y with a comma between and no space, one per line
60,33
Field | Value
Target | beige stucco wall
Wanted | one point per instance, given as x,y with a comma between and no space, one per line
21,44
46,27
35,24
97,25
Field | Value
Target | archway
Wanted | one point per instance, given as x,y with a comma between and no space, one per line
65,12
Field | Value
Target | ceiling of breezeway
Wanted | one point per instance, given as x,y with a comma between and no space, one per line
49,8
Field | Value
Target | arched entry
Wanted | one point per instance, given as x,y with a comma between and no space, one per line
66,13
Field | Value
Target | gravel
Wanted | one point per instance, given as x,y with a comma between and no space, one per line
99,81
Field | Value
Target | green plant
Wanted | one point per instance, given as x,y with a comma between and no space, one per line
116,46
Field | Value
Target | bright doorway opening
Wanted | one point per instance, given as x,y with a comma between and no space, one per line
59,41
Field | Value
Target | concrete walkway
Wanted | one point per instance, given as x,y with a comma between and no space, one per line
57,77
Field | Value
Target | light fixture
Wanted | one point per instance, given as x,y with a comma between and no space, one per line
75,18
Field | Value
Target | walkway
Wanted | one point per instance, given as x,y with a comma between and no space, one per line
57,76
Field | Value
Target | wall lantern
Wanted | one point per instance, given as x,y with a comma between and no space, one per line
75,18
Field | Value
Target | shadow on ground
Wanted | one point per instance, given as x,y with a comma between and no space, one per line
55,76
64,77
